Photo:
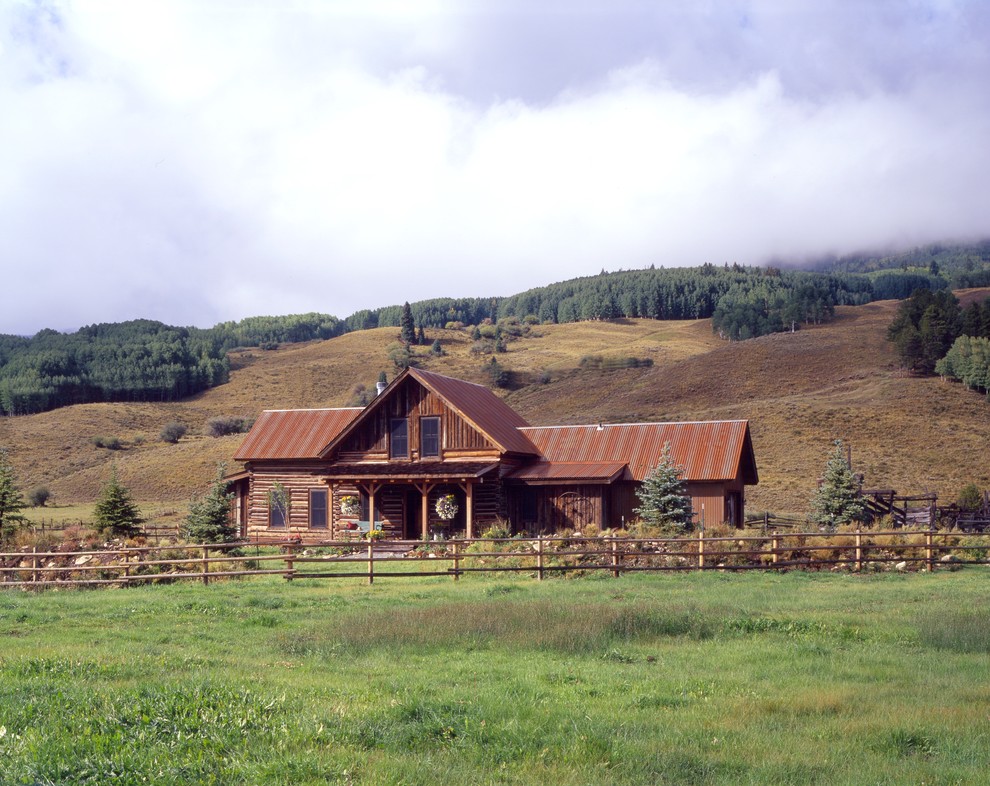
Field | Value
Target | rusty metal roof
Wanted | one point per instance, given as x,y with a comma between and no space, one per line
591,471
481,408
708,451
293,433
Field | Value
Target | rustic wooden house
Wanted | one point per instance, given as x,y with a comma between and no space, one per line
427,435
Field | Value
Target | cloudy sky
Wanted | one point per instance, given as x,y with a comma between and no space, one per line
195,161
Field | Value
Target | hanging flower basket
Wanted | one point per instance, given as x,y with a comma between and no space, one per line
350,506
447,507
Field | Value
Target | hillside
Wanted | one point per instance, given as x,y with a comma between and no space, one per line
799,391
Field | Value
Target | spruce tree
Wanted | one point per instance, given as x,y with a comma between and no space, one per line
837,501
116,513
407,334
11,501
421,336
663,496
209,518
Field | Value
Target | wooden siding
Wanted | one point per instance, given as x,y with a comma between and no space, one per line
412,401
297,482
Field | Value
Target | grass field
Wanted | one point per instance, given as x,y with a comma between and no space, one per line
700,678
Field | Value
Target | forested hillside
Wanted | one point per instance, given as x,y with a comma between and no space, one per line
148,361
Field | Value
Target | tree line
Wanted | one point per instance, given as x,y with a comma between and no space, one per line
144,360
933,334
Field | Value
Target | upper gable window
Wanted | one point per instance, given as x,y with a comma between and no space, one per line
429,437
399,438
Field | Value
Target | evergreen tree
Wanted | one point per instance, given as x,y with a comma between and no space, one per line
837,501
116,513
436,348
663,496
407,328
421,337
209,518
11,501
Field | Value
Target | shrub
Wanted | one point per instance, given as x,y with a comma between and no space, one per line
38,497
223,426
110,443
173,432
970,498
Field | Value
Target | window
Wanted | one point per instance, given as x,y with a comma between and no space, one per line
399,438
276,513
318,509
429,437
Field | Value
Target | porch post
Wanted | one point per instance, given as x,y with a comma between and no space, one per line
469,512
424,518
372,488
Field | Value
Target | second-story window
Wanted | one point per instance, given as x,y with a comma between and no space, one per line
399,438
429,437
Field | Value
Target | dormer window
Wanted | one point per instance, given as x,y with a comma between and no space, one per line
399,438
429,437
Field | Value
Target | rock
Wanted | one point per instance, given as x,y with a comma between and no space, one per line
949,558
83,560
901,566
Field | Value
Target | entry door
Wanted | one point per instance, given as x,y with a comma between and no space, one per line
412,528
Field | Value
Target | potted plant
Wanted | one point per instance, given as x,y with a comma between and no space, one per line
350,506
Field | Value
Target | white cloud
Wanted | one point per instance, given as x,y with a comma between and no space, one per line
198,162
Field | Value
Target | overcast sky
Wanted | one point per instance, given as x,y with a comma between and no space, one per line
207,160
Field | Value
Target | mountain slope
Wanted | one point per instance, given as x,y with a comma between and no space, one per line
800,391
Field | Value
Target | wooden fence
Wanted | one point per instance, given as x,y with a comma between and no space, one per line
537,556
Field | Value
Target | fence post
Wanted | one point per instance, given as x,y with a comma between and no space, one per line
371,560
127,566
206,565
775,548
539,557
859,550
453,547
615,558
929,551
290,558
701,550
35,564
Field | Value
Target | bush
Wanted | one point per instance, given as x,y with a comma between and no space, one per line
228,424
110,443
173,432
39,497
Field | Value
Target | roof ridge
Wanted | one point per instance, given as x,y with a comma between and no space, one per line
641,423
316,409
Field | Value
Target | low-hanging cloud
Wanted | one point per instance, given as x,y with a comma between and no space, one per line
203,165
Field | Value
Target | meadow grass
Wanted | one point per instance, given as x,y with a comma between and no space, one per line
693,678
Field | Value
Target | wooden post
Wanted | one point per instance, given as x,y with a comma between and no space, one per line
539,557
35,564
127,565
615,558
371,560
290,558
929,551
424,512
775,547
701,550
859,550
453,547
469,508
206,565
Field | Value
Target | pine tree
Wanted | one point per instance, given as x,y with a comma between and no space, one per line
209,516
407,334
11,501
663,496
837,501
421,337
116,513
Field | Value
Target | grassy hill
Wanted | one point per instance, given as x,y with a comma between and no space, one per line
800,391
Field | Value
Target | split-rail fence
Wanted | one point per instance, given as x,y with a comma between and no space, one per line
540,557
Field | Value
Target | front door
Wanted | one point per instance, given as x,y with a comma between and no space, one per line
412,529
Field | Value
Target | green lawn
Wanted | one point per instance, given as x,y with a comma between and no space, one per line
693,678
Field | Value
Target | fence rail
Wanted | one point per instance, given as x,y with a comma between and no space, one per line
539,556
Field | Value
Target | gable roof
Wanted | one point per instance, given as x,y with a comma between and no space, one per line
293,433
476,404
708,451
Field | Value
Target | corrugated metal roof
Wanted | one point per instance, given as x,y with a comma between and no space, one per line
482,409
600,471
708,451
293,433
